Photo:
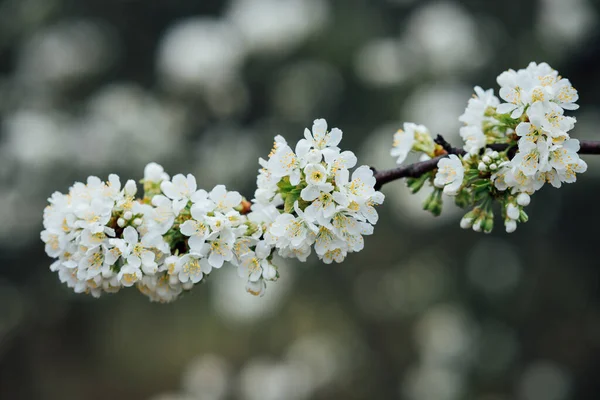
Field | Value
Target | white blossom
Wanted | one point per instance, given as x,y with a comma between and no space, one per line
179,189
450,174
404,140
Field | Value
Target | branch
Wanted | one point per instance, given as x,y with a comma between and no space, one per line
417,169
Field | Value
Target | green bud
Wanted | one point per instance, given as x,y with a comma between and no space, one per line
433,203
488,223
523,217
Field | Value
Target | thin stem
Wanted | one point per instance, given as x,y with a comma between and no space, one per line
417,169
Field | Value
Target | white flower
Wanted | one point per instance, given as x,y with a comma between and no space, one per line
162,215
337,161
94,263
316,178
359,190
550,119
93,216
112,188
519,181
224,201
137,254
569,174
532,158
515,88
477,106
290,231
326,241
55,240
404,140
474,138
220,222
337,255
323,142
321,209
449,175
219,248
565,95
180,190
197,231
191,268
129,275
560,157
159,288
536,83
284,162
155,173
254,263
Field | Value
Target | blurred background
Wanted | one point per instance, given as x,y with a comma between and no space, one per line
426,312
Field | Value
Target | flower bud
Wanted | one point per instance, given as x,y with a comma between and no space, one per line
270,273
523,199
493,166
130,188
127,215
154,172
121,222
415,184
510,225
494,154
433,203
137,221
482,167
486,159
523,217
466,223
488,223
512,211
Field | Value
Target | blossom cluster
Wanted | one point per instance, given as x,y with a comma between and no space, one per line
105,239
324,206
170,239
528,128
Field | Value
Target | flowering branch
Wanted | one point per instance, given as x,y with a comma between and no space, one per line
417,169
307,200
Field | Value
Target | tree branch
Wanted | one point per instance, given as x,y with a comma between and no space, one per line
417,169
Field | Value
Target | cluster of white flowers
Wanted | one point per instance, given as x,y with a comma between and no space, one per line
538,97
307,197
164,243
529,129
79,230
479,124
171,239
